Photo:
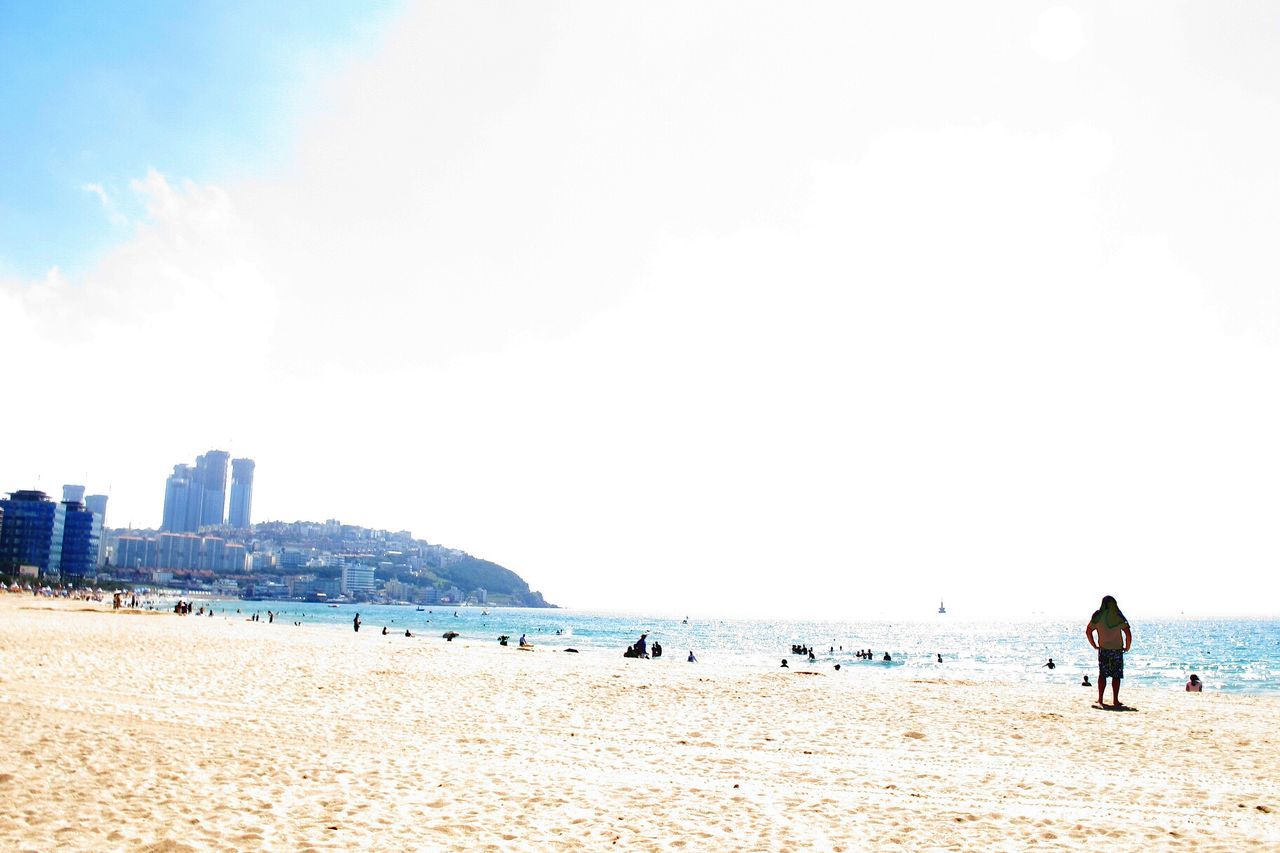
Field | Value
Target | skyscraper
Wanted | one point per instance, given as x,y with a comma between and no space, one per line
178,493
26,538
213,479
74,550
97,504
241,493
195,496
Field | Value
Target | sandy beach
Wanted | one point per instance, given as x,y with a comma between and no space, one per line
153,731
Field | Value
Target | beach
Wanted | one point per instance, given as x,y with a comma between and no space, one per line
153,731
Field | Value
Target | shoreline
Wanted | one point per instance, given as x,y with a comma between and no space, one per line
190,734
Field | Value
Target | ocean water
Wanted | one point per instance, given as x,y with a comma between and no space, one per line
1235,656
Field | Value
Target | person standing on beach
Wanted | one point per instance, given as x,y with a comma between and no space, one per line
1113,639
355,623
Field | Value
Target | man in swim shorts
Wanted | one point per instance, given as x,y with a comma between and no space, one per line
1113,639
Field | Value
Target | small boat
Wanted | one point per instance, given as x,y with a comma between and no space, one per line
942,608
420,609
331,605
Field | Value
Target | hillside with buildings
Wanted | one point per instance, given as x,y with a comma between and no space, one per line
315,561
207,542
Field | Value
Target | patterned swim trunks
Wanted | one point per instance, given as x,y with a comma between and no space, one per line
1110,664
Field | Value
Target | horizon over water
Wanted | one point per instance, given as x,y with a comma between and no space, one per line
1229,655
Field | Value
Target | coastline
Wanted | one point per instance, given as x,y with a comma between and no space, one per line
127,730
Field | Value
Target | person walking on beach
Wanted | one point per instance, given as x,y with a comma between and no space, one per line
1113,639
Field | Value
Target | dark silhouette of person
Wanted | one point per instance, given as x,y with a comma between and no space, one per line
1051,664
1114,637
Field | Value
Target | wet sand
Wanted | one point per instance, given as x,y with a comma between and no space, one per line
160,732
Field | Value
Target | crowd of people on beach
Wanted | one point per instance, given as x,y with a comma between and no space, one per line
73,593
1108,632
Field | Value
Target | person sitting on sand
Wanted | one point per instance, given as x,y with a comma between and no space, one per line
692,659
384,630
939,658
784,664
523,641
406,633
1086,683
1114,637
1193,684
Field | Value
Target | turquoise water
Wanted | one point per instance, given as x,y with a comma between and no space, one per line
1237,656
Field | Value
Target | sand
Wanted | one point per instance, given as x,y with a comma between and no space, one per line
162,732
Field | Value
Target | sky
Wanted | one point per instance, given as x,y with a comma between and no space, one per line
828,310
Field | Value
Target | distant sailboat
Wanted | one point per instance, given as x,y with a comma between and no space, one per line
942,608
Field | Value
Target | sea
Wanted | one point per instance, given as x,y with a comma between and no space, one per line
1229,655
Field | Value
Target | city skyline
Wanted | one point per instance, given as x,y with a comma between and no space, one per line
822,311
196,496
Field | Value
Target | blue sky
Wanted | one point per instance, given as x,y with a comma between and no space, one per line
980,299
98,93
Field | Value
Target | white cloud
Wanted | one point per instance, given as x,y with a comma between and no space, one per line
114,216
682,308
143,354
1059,34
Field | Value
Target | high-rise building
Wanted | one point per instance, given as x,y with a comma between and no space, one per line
131,553
26,538
97,504
213,478
73,552
178,551
213,550
52,537
241,494
177,498
356,578
73,493
235,557
195,496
